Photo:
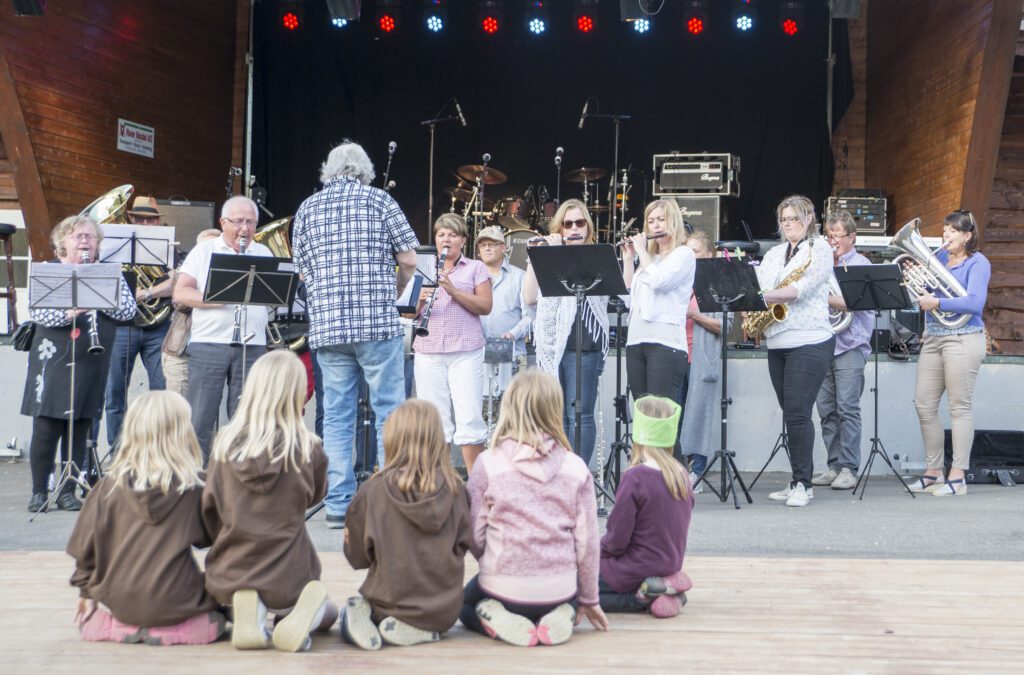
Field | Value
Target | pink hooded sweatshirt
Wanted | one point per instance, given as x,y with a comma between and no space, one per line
534,518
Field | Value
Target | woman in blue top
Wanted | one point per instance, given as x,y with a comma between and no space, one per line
950,358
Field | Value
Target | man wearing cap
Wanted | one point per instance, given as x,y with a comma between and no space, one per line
134,339
509,317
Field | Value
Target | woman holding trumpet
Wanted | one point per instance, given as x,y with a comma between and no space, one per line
554,329
799,347
951,357
449,364
658,269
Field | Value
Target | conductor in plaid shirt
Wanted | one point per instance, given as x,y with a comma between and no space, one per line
347,239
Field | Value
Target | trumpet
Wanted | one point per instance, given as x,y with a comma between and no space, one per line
421,326
94,335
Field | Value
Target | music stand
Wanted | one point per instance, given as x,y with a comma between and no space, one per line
580,271
726,285
874,287
73,287
250,280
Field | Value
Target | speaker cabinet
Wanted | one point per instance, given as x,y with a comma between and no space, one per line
188,219
702,212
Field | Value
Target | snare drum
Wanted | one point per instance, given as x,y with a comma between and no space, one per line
514,212
515,242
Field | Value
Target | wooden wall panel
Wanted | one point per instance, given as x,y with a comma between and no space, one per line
86,63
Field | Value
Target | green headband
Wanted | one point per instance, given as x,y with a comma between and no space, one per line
656,432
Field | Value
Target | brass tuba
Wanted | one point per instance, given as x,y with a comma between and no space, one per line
111,208
838,319
923,273
275,236
756,323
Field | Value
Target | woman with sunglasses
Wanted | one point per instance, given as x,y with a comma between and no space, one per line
658,269
951,357
554,329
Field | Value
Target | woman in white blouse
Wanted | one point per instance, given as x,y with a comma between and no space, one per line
659,289
799,348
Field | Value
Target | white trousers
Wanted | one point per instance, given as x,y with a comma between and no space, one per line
455,381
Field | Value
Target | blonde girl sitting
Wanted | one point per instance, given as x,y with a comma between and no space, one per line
133,541
265,470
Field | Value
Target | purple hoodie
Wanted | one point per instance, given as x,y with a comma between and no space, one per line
534,524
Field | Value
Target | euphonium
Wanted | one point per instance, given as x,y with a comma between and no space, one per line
756,323
274,235
923,273
838,319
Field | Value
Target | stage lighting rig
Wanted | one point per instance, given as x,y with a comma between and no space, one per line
289,14
695,16
389,16
492,15
642,26
343,11
435,15
537,16
584,15
744,15
791,17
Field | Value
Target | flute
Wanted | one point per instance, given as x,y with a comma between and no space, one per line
649,238
543,241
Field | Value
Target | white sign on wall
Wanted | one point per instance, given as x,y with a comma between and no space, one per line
135,138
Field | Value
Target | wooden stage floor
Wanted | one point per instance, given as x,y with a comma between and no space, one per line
743,615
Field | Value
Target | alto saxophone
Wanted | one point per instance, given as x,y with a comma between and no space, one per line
756,323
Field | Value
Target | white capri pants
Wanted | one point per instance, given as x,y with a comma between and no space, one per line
455,381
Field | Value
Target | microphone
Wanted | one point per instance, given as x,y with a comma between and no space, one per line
392,146
558,155
235,171
458,109
583,115
390,186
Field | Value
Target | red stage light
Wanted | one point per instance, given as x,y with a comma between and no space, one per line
790,27
290,20
695,25
387,23
489,24
585,23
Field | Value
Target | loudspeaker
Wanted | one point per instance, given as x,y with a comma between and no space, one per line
704,212
188,219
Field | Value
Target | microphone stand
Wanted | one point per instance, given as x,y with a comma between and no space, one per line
558,180
432,124
387,169
617,120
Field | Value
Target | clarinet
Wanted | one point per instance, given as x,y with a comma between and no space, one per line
236,332
94,335
421,327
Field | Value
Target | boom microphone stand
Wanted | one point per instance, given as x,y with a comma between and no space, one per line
431,124
617,121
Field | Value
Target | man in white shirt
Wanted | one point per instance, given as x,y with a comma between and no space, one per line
213,360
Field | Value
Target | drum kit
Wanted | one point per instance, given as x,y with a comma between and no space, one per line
524,216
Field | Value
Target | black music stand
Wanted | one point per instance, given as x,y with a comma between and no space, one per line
874,287
725,285
579,271
250,280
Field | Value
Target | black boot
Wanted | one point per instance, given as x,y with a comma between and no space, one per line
37,502
68,501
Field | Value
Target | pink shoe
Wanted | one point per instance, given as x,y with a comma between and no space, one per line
678,583
666,606
102,627
201,629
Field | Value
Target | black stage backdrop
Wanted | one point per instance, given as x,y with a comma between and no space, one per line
761,96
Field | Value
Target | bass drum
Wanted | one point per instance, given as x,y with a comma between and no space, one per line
515,243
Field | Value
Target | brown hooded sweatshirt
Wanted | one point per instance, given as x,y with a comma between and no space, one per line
415,547
133,553
255,512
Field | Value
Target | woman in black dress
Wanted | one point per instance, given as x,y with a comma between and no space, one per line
76,241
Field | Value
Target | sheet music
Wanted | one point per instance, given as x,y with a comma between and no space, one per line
154,244
51,286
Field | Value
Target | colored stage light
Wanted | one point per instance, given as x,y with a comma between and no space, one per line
584,15
343,11
290,20
492,14
744,22
791,15
744,15
387,22
389,16
490,24
695,25
435,15
584,23
434,23
537,26
695,16
642,26
339,23
537,17
790,27
289,14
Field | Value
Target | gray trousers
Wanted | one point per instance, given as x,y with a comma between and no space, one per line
210,366
839,409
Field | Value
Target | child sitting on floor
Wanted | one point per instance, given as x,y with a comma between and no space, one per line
409,524
265,470
133,541
645,541
534,524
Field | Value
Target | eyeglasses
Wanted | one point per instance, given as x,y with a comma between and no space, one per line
569,224
789,219
146,219
82,236
242,221
839,237
970,218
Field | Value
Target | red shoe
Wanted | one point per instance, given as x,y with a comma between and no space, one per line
678,583
666,606
102,627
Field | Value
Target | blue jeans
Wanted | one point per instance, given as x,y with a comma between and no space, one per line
380,362
591,367
130,342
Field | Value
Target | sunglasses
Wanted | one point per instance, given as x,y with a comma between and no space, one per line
581,222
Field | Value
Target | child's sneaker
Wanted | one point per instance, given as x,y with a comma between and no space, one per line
555,627
651,587
248,621
666,606
357,624
201,629
103,627
677,583
291,634
395,632
504,625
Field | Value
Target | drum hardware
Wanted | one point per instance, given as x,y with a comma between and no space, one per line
585,175
431,124
476,172
516,245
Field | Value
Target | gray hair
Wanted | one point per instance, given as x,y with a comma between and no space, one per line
237,199
803,207
65,227
842,218
348,159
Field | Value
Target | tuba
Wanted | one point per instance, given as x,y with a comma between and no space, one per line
839,320
112,208
756,323
923,273
275,236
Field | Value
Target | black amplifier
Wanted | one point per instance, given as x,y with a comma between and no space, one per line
867,212
701,173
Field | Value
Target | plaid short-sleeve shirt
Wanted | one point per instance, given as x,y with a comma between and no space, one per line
344,242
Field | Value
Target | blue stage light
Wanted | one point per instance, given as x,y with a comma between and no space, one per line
744,22
642,26
339,23
537,26
435,24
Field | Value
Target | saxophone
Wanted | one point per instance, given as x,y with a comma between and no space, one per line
756,323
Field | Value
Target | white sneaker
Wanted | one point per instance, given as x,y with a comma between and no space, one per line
799,496
826,478
845,480
784,494
697,487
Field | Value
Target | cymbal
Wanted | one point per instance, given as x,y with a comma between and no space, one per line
584,175
473,171
465,195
